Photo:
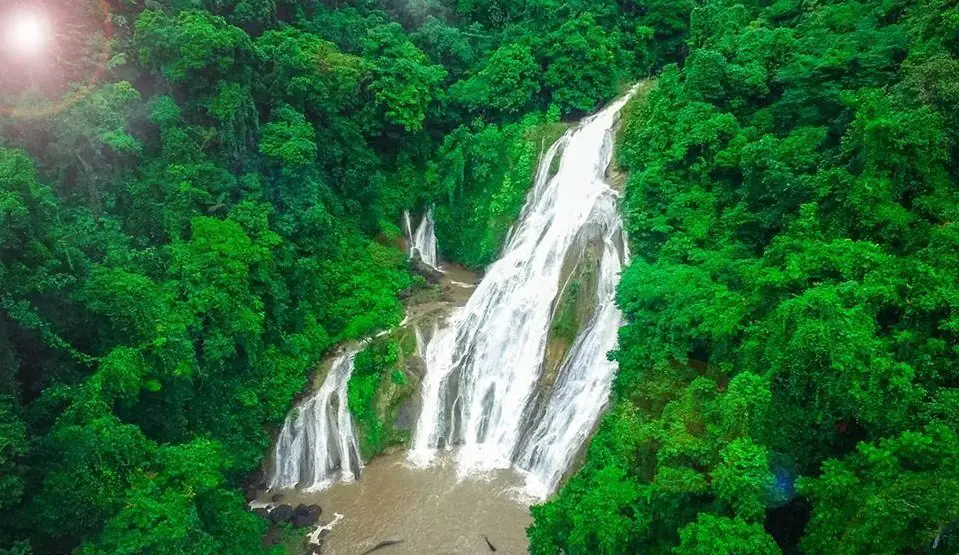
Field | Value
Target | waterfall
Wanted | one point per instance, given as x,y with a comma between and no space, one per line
424,240
484,364
420,340
409,227
583,386
317,444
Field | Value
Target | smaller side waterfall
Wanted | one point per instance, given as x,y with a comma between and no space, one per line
409,227
317,444
424,240
420,341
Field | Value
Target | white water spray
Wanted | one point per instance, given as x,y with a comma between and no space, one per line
424,240
408,225
484,365
317,445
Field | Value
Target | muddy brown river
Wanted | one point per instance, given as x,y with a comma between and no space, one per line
430,511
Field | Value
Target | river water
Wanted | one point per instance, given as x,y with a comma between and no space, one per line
430,511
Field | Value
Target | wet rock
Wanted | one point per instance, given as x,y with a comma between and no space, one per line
415,366
262,512
576,302
431,274
277,497
282,513
407,414
306,515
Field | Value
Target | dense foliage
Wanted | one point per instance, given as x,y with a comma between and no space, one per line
789,373
198,198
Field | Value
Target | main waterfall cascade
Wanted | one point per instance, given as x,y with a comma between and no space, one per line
317,445
484,364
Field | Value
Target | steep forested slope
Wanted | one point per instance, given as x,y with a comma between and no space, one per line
789,374
199,198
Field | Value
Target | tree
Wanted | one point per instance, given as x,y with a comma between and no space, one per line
507,83
580,64
742,478
403,83
180,507
717,535
193,48
289,139
13,447
887,496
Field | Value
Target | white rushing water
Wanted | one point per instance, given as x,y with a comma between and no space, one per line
424,240
484,365
317,445
407,223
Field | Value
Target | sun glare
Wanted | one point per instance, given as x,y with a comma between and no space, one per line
27,32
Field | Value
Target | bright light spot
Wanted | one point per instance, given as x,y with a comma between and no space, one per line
27,32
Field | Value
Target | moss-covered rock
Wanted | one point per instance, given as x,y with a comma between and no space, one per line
576,301
383,383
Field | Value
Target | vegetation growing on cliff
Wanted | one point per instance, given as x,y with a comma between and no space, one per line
377,389
788,375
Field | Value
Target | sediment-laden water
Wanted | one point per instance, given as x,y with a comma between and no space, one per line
432,512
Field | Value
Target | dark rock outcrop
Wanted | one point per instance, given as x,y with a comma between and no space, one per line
306,515
431,274
282,513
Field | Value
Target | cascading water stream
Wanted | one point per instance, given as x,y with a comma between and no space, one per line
317,444
484,365
409,228
583,384
424,240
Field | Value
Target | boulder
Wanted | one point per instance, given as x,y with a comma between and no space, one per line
262,512
282,513
306,515
431,274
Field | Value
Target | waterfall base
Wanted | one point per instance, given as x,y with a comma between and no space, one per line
429,511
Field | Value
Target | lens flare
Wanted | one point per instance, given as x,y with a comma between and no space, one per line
27,33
